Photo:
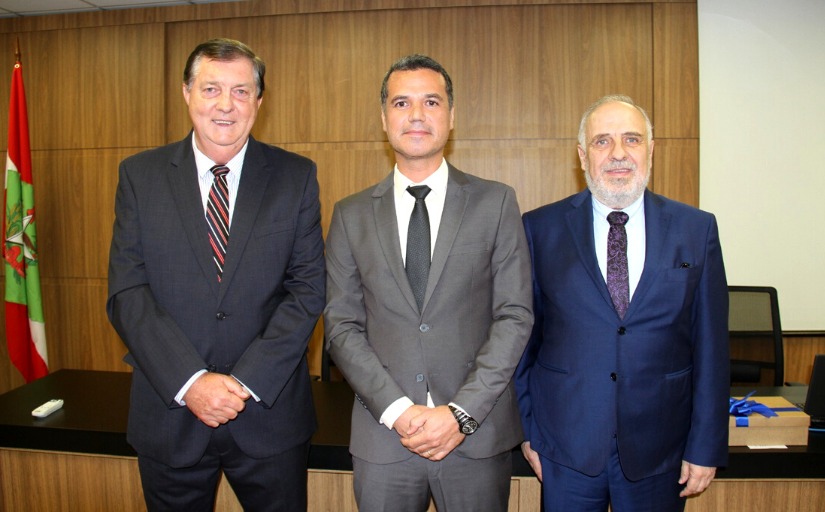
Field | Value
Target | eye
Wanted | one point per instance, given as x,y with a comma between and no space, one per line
210,91
399,103
601,143
241,93
632,140
432,103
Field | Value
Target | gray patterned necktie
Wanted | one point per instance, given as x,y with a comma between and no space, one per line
418,244
617,279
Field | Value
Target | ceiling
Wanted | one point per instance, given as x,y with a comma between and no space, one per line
17,8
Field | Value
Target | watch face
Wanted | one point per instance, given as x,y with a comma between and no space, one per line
469,427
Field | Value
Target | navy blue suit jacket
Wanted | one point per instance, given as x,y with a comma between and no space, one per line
655,383
176,318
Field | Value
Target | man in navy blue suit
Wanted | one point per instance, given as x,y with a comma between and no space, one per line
624,401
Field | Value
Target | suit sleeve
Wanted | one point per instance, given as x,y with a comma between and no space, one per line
283,343
528,359
512,315
156,344
345,319
707,443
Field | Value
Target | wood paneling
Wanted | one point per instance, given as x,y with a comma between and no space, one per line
90,88
102,86
97,483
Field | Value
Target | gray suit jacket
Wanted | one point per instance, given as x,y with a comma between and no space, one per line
476,319
173,315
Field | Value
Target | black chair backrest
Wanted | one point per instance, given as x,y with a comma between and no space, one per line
755,335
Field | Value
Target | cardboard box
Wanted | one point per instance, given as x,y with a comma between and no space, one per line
788,428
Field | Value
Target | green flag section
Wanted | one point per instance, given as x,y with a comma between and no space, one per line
25,326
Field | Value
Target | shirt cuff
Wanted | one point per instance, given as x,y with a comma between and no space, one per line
395,410
252,394
179,397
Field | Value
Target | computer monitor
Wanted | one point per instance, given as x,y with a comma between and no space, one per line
815,401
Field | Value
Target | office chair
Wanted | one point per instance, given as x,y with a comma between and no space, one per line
755,334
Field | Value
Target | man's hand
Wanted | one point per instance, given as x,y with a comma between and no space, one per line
436,433
215,398
695,478
402,424
532,457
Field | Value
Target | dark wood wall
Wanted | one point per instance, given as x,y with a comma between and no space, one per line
102,86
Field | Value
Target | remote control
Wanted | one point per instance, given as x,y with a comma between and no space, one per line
47,408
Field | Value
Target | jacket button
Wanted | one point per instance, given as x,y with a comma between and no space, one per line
613,377
423,327
419,377
621,331
220,316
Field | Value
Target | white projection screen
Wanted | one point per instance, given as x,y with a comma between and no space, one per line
762,146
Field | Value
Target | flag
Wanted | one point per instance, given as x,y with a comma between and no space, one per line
25,326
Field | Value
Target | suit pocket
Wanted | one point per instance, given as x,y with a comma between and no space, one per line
472,248
274,228
682,274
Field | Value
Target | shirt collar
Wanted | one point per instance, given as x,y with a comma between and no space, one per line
437,181
204,163
600,210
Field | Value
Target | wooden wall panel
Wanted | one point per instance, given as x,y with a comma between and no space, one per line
79,334
102,86
75,200
92,87
675,171
676,71
519,72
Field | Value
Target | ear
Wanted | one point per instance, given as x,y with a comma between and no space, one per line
383,119
452,117
185,94
582,156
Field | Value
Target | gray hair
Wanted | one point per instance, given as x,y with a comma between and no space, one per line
610,98
223,50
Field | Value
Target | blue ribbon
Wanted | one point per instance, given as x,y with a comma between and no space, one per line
742,408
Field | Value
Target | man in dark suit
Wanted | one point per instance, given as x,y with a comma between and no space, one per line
218,339
430,353
623,387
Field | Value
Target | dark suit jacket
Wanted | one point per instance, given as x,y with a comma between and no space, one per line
657,379
464,345
175,318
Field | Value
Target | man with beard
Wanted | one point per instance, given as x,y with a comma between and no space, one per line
623,388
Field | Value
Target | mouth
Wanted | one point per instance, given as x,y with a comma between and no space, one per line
223,122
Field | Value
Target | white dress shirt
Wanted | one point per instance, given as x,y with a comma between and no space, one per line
205,179
636,236
404,203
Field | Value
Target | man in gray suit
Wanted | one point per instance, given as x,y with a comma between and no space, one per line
429,349
217,339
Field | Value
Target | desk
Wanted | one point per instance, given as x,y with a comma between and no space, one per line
89,434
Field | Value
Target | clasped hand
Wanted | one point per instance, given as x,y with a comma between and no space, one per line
431,433
216,399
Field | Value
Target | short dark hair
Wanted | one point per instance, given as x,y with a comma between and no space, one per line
412,63
224,50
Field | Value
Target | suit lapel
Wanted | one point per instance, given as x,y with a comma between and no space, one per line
254,180
386,226
580,224
183,180
455,203
657,225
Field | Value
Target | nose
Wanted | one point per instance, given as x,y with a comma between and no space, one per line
416,112
618,152
225,101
